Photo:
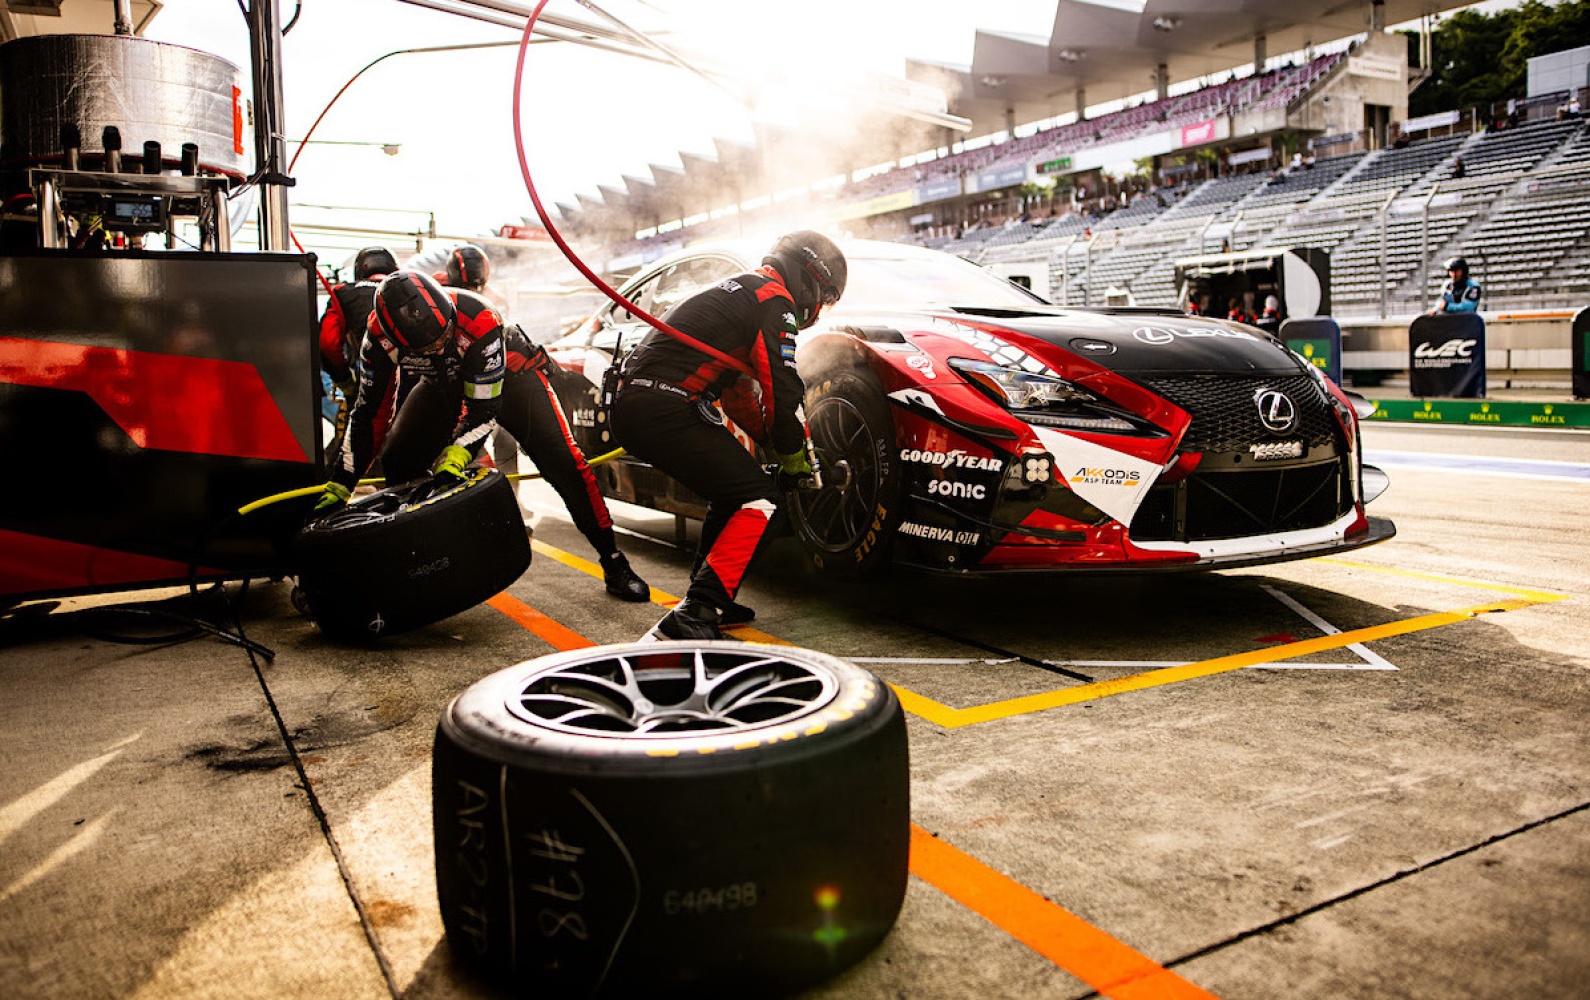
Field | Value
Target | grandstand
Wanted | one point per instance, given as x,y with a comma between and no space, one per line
1244,161
1389,217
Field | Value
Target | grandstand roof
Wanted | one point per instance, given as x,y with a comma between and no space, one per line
1113,53
1109,52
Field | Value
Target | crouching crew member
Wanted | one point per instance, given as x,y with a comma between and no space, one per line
455,356
469,268
662,414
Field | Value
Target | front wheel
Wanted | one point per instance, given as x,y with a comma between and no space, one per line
847,526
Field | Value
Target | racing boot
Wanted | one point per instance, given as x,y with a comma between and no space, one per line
736,614
623,582
690,619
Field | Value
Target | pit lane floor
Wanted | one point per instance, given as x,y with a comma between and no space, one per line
1355,777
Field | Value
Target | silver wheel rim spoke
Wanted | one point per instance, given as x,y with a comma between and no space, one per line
661,693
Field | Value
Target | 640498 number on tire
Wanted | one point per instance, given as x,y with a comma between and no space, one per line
705,818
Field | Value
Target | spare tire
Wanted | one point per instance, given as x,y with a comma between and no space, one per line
673,817
412,554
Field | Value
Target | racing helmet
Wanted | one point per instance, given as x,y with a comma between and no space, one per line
1457,264
373,262
467,267
413,310
813,269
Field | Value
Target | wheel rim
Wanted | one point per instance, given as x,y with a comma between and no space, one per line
835,518
383,504
671,692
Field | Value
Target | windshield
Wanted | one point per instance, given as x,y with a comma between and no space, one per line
928,281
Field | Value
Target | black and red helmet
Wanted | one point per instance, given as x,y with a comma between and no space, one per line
413,310
373,262
814,271
467,267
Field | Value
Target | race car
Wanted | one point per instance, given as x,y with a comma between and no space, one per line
964,425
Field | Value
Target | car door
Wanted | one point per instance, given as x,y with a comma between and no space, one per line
615,330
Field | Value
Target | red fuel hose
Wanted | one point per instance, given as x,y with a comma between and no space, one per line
579,265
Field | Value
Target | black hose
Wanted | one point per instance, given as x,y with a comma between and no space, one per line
110,622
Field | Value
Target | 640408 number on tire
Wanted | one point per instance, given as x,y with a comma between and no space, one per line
673,817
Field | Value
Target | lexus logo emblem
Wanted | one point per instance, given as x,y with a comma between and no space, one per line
1276,410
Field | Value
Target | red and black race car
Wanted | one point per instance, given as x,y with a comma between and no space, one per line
967,426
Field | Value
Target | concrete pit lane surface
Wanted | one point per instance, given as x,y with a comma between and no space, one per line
1335,778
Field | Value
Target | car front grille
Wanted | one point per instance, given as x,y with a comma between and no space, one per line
1225,417
1211,505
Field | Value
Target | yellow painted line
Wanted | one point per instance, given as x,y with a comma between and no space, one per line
591,569
951,718
659,597
1537,596
1105,963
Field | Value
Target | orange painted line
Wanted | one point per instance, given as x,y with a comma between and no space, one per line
1110,966
660,597
559,636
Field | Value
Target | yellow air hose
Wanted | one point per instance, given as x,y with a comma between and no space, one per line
305,491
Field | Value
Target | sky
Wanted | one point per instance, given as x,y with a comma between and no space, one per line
589,117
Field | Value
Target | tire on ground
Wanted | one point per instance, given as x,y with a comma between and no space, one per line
411,555
697,818
848,526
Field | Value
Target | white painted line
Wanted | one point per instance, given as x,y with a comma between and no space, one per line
956,661
1115,664
1479,465
1374,660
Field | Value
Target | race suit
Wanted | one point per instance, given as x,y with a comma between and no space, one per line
484,375
341,332
1463,298
342,326
659,416
504,451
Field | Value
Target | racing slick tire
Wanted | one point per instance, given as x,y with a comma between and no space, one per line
847,527
670,818
411,555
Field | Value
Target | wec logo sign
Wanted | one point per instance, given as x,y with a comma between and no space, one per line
1450,349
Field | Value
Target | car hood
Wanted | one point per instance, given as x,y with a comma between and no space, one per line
1133,342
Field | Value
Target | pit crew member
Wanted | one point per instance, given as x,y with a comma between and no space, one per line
347,311
662,414
462,371
468,267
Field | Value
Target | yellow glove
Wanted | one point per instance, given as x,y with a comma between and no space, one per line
796,463
334,495
453,461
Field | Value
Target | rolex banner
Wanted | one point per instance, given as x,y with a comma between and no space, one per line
1446,356
1581,355
1319,340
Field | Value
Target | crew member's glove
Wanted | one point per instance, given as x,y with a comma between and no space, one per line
795,471
453,461
334,495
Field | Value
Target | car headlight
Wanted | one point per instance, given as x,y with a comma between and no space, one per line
1046,400
1017,389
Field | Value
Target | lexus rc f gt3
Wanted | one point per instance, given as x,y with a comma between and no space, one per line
965,425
